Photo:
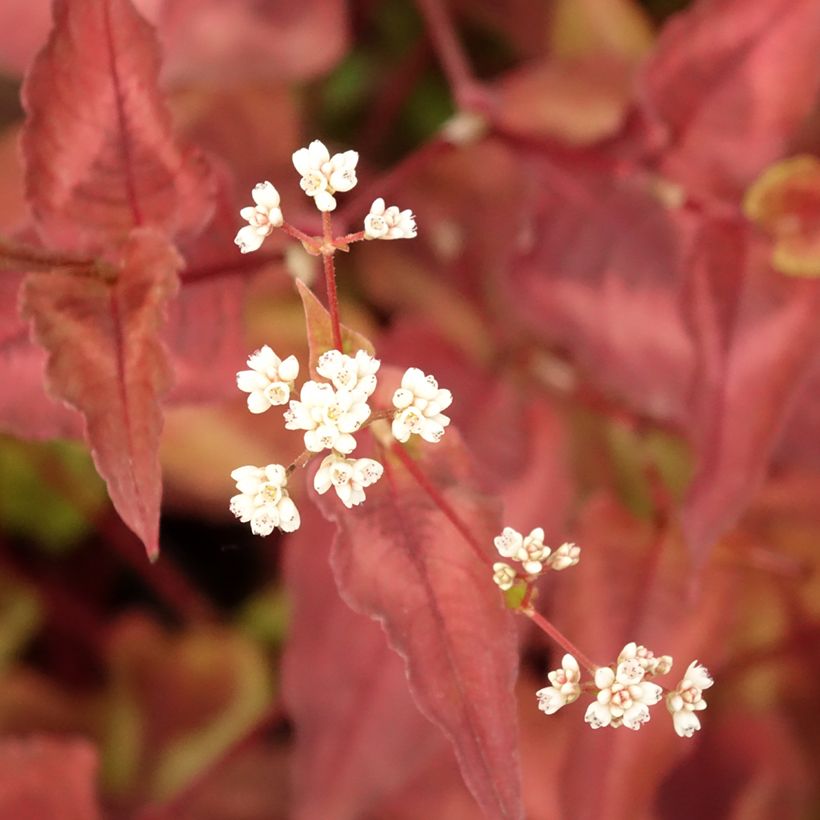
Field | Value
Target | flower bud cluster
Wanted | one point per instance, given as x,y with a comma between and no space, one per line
623,692
329,413
533,555
420,402
322,176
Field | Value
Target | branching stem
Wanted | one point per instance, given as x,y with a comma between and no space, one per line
328,250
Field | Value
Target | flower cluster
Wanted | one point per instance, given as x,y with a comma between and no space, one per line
420,402
687,698
329,413
269,381
262,218
624,692
389,223
263,499
533,555
322,176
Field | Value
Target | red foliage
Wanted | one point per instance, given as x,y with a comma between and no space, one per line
43,778
614,265
106,361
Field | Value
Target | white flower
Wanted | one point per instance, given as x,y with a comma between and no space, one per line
269,380
261,218
624,697
530,551
347,476
420,402
652,666
566,686
503,575
323,175
567,555
355,373
687,699
263,499
389,223
328,416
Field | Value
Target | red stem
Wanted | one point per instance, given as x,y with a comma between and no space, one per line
330,280
449,51
438,499
349,238
304,238
546,626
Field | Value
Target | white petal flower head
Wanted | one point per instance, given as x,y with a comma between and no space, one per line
652,665
623,698
347,476
263,499
503,575
566,556
420,402
529,550
389,223
323,175
354,373
687,698
565,689
269,381
328,417
262,218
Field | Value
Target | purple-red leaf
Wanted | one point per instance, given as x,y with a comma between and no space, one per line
757,335
729,83
399,558
359,736
100,156
44,777
106,360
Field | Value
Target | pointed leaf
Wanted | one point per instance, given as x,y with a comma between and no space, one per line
399,559
729,83
100,157
106,361
757,335
319,330
368,739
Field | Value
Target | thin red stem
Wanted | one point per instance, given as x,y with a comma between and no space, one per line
449,50
305,239
439,500
349,238
546,626
330,280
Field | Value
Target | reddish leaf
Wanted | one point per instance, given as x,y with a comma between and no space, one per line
399,559
246,41
320,334
576,101
359,736
757,342
99,167
205,322
105,360
600,277
43,778
26,410
729,83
